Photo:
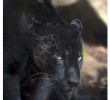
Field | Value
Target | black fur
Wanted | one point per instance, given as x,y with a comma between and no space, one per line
33,29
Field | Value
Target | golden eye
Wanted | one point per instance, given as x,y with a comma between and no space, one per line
59,57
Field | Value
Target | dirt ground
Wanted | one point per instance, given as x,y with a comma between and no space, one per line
94,74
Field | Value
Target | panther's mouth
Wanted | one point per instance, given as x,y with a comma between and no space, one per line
71,94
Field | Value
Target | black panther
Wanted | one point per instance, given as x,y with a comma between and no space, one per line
34,29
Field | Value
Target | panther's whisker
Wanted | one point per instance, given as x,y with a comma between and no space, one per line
50,84
53,81
35,75
40,78
35,79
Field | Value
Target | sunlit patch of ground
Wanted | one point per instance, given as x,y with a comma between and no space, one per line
100,6
63,2
94,74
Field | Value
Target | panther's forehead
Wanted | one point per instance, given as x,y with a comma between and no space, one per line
56,36
58,32
45,42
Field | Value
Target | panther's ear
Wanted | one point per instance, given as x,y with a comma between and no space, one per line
77,23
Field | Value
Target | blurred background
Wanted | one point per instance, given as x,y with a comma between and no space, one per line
93,15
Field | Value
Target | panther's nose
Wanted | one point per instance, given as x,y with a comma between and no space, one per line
73,76
73,82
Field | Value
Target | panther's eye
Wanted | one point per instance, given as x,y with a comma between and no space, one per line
59,57
79,59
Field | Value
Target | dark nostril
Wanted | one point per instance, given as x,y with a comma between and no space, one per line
74,82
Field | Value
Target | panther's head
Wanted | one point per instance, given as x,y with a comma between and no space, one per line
57,50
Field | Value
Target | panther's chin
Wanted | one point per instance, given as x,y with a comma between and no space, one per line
70,95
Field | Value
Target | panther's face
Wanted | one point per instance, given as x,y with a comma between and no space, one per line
58,51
